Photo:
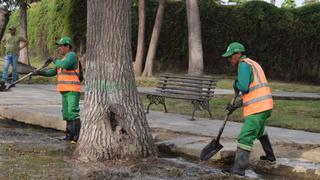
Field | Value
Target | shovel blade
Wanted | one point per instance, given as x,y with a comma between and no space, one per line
210,149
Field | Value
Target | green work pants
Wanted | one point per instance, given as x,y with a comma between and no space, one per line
252,129
70,105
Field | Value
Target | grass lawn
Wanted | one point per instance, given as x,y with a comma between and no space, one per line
292,114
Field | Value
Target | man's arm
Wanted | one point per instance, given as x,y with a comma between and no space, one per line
244,77
24,44
48,72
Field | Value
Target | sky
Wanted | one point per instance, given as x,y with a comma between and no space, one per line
298,2
279,2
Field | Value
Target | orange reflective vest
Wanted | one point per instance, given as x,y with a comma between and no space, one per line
259,97
68,80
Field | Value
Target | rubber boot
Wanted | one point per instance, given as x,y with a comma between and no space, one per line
266,145
68,136
241,162
77,127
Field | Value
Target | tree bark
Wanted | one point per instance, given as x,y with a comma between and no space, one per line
4,19
23,56
148,69
140,44
194,38
114,125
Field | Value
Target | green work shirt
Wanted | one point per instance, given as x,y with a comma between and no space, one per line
245,76
12,43
70,62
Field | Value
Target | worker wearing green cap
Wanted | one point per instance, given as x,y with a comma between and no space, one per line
68,70
257,105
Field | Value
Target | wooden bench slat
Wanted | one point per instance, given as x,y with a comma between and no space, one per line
196,90
175,96
185,93
211,86
189,77
186,81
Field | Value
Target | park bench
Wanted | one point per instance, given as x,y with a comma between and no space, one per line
198,89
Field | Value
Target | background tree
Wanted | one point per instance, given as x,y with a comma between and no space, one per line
194,37
5,11
140,44
4,19
288,4
24,56
148,68
114,124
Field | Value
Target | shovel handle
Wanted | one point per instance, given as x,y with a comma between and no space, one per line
46,63
226,118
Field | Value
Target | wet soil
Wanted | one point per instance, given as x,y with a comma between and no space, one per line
29,152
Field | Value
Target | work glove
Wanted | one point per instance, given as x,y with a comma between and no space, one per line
50,59
38,73
232,107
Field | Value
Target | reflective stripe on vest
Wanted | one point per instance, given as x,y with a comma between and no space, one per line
259,97
68,80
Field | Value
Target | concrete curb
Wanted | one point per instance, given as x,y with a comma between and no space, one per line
26,115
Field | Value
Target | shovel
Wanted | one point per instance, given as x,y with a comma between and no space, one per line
46,63
214,146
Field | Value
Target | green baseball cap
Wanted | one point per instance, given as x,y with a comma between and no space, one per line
65,40
234,48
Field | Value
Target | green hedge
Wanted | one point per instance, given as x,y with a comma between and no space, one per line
49,20
284,41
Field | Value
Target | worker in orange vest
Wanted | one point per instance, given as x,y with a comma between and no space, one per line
68,71
257,106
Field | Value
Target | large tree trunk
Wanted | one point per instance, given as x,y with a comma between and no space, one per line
114,125
23,57
194,35
4,19
140,45
148,68
273,2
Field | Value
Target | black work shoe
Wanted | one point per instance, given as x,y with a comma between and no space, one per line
267,147
271,160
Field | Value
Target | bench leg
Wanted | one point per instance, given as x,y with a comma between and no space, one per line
150,102
199,105
205,106
156,100
195,108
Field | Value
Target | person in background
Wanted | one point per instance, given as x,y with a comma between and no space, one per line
68,71
12,49
257,106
